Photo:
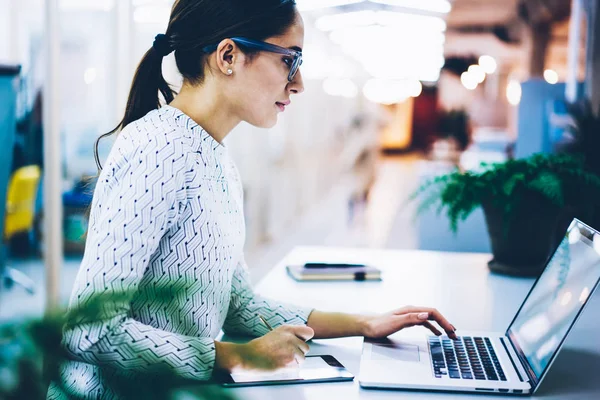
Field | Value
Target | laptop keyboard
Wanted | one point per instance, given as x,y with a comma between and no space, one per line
465,358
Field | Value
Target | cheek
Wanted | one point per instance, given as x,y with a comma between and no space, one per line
268,79
256,105
262,85
264,89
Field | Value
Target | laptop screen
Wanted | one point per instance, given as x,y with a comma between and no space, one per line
557,298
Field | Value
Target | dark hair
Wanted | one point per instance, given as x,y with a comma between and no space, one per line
195,24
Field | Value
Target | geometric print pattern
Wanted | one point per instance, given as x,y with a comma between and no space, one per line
167,230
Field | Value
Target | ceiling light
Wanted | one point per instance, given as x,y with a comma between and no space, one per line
369,36
407,22
513,92
408,59
383,42
410,21
488,64
416,89
551,76
436,6
477,73
468,81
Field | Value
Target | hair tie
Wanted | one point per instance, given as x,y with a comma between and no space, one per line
162,45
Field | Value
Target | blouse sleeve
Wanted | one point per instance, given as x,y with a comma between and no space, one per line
246,306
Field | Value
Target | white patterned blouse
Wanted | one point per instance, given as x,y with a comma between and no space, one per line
165,244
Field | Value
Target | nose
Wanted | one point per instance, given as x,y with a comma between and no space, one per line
296,86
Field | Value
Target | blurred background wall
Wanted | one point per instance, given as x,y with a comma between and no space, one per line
396,92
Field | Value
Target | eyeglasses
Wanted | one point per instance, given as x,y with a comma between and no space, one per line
295,57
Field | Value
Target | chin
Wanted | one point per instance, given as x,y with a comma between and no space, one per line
265,123
271,123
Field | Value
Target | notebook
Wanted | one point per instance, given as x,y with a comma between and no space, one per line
315,369
333,272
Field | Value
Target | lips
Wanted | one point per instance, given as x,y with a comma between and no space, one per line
282,105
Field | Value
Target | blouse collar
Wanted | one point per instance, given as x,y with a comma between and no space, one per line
200,140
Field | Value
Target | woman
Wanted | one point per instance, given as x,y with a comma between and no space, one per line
167,214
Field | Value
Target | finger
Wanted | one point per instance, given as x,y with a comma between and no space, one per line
435,315
403,310
299,356
303,332
302,345
432,328
412,319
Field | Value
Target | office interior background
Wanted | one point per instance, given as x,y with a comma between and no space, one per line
397,92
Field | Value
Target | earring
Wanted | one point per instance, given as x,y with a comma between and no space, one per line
229,71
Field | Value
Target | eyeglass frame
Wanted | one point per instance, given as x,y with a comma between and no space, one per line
271,48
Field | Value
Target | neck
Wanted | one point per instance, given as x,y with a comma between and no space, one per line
207,108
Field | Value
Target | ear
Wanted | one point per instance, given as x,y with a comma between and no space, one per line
227,54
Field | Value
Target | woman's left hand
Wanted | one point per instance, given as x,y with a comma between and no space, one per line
381,326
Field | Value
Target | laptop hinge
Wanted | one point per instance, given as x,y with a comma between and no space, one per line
533,379
515,360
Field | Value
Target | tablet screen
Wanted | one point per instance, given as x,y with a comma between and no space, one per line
313,368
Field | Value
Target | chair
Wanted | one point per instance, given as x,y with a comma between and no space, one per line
20,215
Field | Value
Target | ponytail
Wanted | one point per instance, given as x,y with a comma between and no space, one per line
143,96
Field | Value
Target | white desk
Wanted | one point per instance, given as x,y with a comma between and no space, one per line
459,285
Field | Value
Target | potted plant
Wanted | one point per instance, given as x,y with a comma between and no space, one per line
31,354
528,204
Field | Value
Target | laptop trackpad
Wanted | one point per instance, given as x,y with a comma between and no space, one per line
395,352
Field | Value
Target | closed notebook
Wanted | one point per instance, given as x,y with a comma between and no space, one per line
333,272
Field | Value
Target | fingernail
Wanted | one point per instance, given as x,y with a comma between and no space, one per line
453,327
423,315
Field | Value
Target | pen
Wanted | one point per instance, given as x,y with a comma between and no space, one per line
332,265
265,322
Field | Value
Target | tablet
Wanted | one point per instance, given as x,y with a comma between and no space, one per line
314,369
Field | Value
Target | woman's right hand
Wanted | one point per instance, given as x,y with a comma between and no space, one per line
279,348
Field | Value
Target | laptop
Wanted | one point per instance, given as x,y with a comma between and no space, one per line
513,362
